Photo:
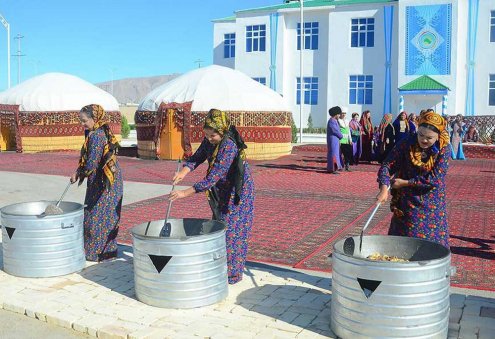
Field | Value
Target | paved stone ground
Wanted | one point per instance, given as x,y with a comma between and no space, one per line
270,302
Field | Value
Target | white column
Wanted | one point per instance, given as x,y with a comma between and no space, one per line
444,105
401,103
301,73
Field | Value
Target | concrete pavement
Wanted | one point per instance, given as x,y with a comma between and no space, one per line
15,326
22,187
268,303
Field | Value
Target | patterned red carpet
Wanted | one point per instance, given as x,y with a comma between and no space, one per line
301,211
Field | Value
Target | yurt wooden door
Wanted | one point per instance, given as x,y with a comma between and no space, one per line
8,117
170,147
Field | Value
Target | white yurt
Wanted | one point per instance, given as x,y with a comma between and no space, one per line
42,113
169,120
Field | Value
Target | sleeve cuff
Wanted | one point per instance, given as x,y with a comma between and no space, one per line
197,188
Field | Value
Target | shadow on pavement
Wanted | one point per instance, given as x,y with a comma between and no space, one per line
303,302
116,275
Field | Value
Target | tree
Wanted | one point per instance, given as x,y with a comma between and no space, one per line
125,129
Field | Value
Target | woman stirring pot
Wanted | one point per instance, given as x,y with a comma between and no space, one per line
419,164
228,185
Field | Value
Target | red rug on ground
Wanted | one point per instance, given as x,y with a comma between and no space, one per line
301,211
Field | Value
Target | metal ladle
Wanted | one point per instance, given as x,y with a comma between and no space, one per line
55,209
349,243
167,226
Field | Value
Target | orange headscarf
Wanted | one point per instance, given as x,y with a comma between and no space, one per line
437,121
109,157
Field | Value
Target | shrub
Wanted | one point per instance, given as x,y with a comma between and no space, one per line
294,132
124,128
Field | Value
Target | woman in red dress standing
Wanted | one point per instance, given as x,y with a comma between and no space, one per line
367,136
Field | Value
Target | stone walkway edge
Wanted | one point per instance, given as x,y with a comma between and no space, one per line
268,303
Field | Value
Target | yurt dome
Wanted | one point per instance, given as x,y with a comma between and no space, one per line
55,92
42,113
215,87
169,120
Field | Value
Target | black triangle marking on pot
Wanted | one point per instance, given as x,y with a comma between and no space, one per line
368,286
159,261
10,231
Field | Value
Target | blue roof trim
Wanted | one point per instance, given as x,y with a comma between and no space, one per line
424,91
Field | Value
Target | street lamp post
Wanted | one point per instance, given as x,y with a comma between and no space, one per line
112,70
301,76
7,26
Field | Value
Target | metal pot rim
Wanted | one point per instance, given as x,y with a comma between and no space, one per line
139,235
397,238
4,209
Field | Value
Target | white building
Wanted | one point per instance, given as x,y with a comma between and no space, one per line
382,55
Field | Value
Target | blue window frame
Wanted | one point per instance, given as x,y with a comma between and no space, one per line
310,91
229,45
310,35
491,91
363,32
256,38
261,80
361,89
492,26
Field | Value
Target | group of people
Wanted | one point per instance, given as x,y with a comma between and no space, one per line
228,185
414,165
357,140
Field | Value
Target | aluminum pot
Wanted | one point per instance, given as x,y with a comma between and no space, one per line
372,299
36,245
184,270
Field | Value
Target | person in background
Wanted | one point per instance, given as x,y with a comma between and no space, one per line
228,184
375,145
387,137
449,121
416,170
356,132
98,164
401,126
333,137
472,134
367,136
412,123
346,141
458,130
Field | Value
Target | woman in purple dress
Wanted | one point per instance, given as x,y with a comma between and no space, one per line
98,164
334,135
228,185
419,165
412,123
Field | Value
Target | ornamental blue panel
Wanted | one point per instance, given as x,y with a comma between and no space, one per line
428,39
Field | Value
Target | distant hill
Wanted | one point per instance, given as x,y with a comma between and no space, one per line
133,90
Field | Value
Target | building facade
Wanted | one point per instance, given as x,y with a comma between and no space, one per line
385,56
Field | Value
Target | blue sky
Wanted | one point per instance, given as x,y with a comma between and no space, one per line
95,39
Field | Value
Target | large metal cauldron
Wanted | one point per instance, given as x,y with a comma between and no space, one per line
372,299
185,270
47,246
